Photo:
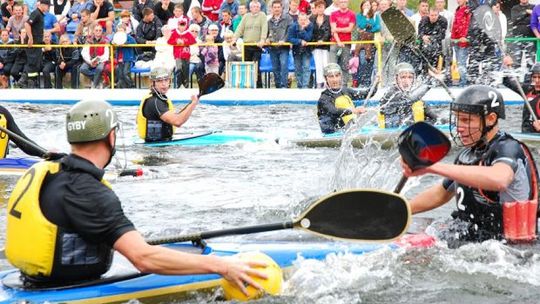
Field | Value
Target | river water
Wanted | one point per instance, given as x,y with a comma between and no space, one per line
205,188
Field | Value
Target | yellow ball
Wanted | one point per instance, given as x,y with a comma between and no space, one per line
272,285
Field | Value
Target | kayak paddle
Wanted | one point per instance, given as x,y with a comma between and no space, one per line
351,215
44,153
515,84
53,155
209,83
404,33
421,145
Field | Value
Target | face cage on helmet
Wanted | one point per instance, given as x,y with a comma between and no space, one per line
168,77
412,84
335,72
471,110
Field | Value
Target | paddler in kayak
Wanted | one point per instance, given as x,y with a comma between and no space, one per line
64,220
335,108
7,122
532,92
493,179
401,105
157,117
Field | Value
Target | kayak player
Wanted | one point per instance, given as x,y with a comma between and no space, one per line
493,179
401,105
335,108
532,92
7,122
157,118
64,220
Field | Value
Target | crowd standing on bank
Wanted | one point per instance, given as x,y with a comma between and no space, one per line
295,38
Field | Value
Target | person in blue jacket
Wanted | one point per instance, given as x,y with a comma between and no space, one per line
124,57
300,33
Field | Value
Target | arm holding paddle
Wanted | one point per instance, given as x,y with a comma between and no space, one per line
178,118
18,137
158,259
530,122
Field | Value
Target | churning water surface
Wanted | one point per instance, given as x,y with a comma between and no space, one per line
205,188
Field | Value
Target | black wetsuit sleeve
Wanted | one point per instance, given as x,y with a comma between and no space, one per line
95,211
327,106
23,145
508,152
154,108
527,119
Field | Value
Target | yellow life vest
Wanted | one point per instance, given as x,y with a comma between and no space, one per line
4,138
142,124
345,102
417,109
30,236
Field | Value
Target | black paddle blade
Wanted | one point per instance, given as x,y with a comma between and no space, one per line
421,145
210,83
399,26
357,215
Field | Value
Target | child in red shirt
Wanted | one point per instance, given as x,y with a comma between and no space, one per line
181,38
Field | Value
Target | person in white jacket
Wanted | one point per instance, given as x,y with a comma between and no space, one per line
164,51
95,57
502,19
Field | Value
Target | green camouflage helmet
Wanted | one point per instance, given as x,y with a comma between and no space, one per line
159,73
90,120
331,68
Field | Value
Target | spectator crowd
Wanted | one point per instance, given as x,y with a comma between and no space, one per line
191,38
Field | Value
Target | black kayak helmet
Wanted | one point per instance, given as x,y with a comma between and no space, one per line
535,68
481,100
477,100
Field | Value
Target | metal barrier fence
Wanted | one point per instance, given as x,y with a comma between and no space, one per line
112,47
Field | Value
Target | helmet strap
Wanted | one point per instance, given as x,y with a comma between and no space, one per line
112,148
334,91
157,93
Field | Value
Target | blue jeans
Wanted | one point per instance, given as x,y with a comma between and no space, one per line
302,69
280,59
365,69
461,57
94,73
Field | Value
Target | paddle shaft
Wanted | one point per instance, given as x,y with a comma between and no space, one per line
525,100
401,184
431,67
30,143
378,78
225,232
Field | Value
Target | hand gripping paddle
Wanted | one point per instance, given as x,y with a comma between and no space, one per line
421,145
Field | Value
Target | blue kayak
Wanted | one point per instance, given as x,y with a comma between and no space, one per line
208,138
16,165
123,282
